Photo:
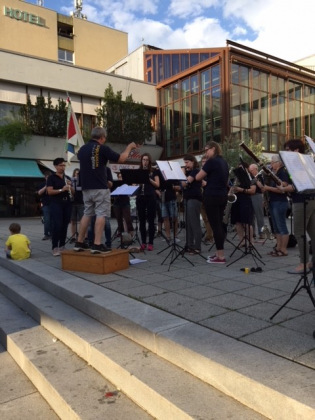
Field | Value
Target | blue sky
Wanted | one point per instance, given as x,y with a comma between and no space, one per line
278,27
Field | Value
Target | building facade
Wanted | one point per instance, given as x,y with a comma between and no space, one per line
232,91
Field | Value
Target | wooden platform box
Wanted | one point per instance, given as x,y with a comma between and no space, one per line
84,261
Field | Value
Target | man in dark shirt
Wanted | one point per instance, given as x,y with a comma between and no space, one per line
93,158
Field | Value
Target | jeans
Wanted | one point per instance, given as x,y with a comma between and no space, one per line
47,220
278,212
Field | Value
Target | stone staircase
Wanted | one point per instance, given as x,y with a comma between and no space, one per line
93,353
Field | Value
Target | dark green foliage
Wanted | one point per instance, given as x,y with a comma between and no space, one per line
125,120
232,151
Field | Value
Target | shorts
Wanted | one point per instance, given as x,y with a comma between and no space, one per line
169,209
97,203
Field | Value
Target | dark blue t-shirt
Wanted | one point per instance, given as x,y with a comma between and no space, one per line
93,159
217,176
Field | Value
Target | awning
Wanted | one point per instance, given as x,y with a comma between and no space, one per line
69,168
19,168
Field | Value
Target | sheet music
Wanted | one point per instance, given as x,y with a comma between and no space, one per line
311,143
171,170
125,190
301,169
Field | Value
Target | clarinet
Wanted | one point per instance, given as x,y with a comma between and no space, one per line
69,187
260,163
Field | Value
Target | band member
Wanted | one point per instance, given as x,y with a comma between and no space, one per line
215,196
278,205
146,202
93,157
298,216
257,201
193,198
60,192
209,233
242,211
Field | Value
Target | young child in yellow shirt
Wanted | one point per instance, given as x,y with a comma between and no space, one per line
17,245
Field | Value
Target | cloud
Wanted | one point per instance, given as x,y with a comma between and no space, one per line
190,8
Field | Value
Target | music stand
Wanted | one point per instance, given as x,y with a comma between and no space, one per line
77,187
249,249
125,190
302,172
135,176
172,172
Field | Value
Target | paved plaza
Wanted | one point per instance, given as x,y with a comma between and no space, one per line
222,298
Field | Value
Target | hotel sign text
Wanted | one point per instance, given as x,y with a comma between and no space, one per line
24,16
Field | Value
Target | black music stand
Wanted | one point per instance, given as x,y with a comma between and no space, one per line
131,177
303,282
128,191
171,172
249,249
302,172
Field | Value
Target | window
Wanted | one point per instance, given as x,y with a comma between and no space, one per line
65,56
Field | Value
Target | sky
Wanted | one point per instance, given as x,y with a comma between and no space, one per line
282,28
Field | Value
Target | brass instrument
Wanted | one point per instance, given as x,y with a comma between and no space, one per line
260,163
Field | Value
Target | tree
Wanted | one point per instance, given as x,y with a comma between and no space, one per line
232,151
125,120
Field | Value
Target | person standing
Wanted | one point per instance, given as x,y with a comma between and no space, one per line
215,196
257,201
60,192
193,198
44,201
296,145
209,233
93,157
146,202
278,204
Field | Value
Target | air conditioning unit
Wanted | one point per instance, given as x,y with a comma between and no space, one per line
152,140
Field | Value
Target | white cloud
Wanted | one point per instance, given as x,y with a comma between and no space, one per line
278,27
189,8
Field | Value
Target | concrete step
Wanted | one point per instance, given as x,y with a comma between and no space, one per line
266,383
72,388
162,389
18,396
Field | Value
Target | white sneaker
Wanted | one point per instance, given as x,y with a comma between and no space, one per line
56,252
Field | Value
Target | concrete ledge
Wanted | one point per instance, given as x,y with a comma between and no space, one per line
275,387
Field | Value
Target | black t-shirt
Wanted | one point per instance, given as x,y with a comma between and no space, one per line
217,176
167,187
58,183
193,190
93,159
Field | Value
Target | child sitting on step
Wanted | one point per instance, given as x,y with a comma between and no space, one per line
17,246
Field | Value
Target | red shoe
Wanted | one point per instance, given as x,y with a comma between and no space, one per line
150,247
143,247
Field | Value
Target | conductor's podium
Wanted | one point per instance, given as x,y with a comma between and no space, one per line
117,259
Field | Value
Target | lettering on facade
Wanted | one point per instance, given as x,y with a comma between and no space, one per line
23,16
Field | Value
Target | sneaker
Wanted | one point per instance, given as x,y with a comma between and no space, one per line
150,247
100,249
46,237
216,260
143,247
73,241
56,252
81,246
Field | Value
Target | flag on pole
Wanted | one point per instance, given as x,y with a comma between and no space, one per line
74,136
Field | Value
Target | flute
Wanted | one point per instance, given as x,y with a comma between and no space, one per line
260,163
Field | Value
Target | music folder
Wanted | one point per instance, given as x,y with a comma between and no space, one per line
301,169
125,190
171,171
